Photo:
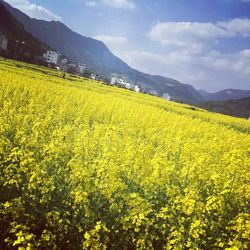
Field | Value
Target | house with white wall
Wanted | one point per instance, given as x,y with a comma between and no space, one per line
166,96
93,76
52,57
153,92
136,88
120,81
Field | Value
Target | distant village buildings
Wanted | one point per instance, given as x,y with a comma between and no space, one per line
121,82
166,96
93,76
64,65
72,68
81,68
64,61
136,88
113,80
3,42
53,57
153,92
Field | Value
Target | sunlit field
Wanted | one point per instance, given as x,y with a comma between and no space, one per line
84,165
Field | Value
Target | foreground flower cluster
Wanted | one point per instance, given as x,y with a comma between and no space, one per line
89,166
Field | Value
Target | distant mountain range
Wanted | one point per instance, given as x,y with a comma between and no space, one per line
203,92
20,42
224,95
77,48
98,57
238,108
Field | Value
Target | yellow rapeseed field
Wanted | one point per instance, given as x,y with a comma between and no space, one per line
89,166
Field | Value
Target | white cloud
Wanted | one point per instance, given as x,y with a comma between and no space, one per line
210,70
34,10
114,43
189,55
123,4
195,35
245,53
91,3
197,65
237,27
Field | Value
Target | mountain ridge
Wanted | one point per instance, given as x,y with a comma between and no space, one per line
21,44
238,108
99,58
226,94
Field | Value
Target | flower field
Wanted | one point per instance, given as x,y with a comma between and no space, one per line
84,165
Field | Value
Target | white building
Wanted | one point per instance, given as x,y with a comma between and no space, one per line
120,81
153,92
3,42
93,76
81,68
128,85
64,61
64,65
52,57
136,88
166,96
113,80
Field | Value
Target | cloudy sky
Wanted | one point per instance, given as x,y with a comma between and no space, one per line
205,43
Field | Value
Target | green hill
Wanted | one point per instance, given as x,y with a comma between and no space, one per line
237,108
21,44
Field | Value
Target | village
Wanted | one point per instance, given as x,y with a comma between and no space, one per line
56,60
61,63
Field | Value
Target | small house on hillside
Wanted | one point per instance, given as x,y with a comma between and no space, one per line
93,76
52,57
166,96
153,92
136,88
3,42
64,65
81,68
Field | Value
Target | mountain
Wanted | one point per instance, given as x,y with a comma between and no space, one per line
21,44
227,94
98,57
238,108
203,92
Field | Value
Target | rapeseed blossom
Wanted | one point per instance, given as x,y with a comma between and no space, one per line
89,166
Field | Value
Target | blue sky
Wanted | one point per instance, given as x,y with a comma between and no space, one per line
205,43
